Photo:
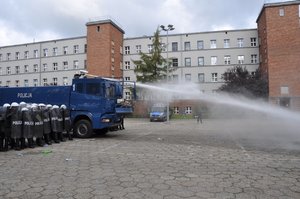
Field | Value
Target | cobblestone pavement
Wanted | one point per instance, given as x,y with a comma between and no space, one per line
182,159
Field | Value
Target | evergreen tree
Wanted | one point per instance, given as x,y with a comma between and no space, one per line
152,67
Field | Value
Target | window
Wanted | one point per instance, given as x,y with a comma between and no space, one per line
127,65
253,41
26,82
213,43
284,90
200,61
45,82
75,64
0,57
76,49
163,47
187,45
55,66
200,44
17,69
188,110
85,48
45,52
127,78
55,51
65,81
201,77
150,48
175,78
17,83
8,56
227,59
8,70
65,65
93,89
188,77
26,68
213,60
127,50
226,43
0,70
35,68
35,82
7,83
254,59
241,59
0,83
26,54
65,50
240,42
187,61
174,46
175,62
127,95
54,81
299,10
281,12
45,66
35,54
138,48
17,55
176,110
214,77
85,64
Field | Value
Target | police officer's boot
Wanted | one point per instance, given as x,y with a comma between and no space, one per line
1,144
55,138
23,143
47,139
30,143
6,140
61,137
17,145
70,136
39,142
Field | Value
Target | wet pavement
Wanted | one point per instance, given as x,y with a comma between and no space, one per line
182,159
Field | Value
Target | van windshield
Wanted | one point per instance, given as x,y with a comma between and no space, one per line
158,109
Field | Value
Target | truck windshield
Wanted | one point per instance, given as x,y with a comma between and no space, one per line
110,91
93,89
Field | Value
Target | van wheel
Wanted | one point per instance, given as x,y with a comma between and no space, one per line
83,129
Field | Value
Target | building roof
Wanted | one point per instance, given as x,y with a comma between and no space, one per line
276,4
105,21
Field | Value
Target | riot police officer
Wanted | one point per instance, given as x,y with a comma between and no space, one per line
46,123
66,121
38,125
15,118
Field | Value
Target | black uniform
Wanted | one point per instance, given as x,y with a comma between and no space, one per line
46,124
28,127
66,122
38,125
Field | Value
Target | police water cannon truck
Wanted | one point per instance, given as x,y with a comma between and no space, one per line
93,102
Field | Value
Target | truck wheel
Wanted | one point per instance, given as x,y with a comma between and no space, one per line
83,129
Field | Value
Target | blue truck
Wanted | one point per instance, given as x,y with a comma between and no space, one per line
93,102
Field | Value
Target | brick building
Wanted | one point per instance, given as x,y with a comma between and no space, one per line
279,49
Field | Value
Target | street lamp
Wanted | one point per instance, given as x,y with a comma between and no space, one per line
167,29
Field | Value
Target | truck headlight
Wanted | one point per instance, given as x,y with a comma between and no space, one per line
105,120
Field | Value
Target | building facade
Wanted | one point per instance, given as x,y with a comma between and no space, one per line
200,57
279,36
56,62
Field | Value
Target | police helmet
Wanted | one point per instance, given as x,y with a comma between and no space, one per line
63,106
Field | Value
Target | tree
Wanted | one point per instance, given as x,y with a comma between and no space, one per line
239,81
151,67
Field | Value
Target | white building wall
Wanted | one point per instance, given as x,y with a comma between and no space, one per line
207,52
40,60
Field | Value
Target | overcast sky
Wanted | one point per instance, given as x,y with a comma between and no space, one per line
24,21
